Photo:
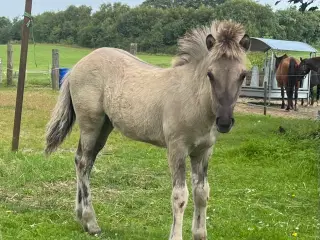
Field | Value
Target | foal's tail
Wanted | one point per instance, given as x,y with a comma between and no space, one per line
62,120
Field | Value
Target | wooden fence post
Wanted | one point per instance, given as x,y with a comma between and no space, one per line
133,48
55,69
265,98
9,64
0,71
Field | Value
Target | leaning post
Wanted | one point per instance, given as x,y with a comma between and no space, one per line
22,74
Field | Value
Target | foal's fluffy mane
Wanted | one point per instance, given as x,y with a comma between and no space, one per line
227,34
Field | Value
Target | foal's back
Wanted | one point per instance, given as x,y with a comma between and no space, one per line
130,92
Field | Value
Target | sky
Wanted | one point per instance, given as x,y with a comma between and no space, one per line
14,8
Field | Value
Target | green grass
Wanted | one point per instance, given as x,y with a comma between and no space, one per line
40,60
264,185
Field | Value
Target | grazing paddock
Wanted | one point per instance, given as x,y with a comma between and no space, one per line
264,184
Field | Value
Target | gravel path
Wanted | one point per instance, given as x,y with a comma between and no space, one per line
255,106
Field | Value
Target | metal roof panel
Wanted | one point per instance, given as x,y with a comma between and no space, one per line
264,44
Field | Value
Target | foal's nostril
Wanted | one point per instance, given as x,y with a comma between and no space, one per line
224,122
217,121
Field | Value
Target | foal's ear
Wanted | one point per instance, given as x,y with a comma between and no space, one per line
210,41
300,59
245,42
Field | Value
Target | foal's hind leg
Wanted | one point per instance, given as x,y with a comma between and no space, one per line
200,186
176,158
94,133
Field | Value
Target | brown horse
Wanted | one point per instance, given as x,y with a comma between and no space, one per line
288,77
311,65
308,64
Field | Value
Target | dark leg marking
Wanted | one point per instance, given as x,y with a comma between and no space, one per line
79,196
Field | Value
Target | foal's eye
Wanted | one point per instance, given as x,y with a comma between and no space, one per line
210,75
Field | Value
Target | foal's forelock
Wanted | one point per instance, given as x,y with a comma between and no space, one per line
192,48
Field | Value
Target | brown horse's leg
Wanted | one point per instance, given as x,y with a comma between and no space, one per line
289,97
200,185
302,101
94,132
311,96
318,93
296,96
282,96
176,158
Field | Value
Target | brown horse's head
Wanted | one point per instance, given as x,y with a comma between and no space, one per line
303,68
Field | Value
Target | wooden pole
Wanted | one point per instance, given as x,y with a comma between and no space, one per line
133,48
22,74
0,71
265,98
9,64
55,69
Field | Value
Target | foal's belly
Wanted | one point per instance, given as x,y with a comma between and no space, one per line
138,124
140,133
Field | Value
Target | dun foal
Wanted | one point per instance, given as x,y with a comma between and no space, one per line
181,108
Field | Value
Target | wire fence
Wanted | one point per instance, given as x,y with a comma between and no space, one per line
33,77
42,78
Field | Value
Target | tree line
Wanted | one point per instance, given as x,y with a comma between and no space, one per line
157,24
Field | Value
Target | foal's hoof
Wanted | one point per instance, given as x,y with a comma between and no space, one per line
282,106
94,231
199,237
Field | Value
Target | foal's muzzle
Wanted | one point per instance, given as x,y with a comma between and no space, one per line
224,125
224,119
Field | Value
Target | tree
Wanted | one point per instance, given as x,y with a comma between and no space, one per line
304,4
5,30
164,4
258,19
158,3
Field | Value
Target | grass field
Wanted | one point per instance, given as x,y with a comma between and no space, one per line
264,185
39,59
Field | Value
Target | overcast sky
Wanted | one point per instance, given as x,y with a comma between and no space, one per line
13,8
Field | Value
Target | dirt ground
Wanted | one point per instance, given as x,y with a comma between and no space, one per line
255,106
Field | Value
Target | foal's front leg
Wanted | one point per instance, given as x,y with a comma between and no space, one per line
176,158
200,186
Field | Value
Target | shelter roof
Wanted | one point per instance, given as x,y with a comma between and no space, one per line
265,44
